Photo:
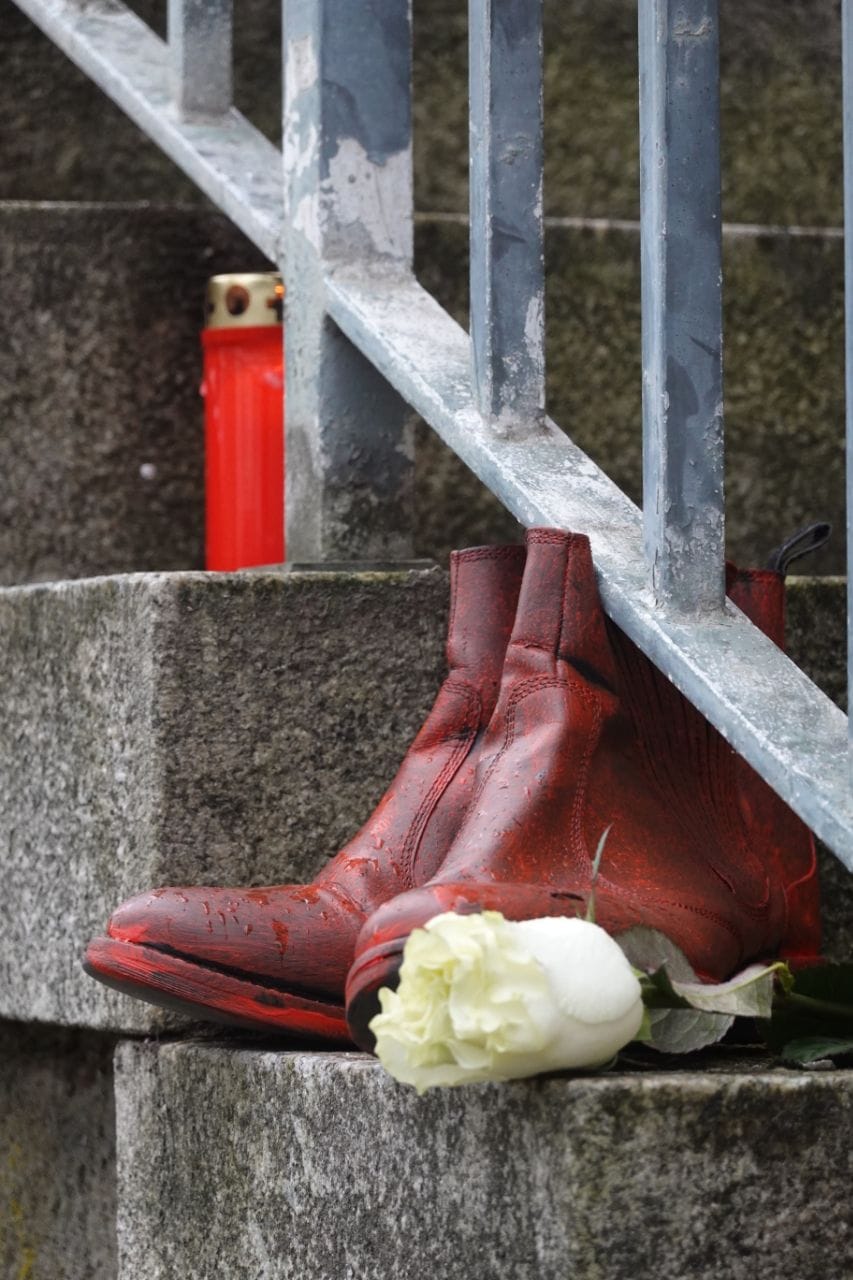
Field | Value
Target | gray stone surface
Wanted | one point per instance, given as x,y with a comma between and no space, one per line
189,729
101,454
781,92
99,371
63,139
57,1155
217,729
257,1163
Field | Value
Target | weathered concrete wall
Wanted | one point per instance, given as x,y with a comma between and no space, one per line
817,632
781,95
254,1163
100,365
781,137
189,729
57,1155
783,303
101,454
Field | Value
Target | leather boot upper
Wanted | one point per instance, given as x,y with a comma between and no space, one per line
561,763
302,936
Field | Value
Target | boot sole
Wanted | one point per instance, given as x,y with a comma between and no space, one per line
376,968
173,982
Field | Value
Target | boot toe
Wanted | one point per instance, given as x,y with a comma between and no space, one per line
147,917
296,936
379,949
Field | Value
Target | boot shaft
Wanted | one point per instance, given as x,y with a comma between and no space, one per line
559,615
560,766
407,835
677,739
484,588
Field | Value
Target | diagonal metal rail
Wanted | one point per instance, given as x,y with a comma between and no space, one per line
224,155
763,704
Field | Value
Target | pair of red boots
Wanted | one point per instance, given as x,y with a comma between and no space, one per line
550,728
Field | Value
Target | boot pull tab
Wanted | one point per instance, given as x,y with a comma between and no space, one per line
802,543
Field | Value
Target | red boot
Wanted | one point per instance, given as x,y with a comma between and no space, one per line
277,958
675,735
561,762
790,846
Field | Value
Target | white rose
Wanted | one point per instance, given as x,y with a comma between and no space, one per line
484,998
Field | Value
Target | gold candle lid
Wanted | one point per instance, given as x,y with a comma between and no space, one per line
244,301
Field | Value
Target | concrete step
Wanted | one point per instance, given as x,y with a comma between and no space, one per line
230,729
781,94
57,1155
238,728
101,451
185,728
252,1162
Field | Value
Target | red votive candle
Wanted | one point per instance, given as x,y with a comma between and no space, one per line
243,389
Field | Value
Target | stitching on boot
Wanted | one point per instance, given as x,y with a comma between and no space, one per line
550,537
512,552
461,749
576,839
568,565
529,686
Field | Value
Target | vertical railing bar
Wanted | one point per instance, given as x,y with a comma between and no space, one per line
200,34
681,248
348,207
507,248
847,75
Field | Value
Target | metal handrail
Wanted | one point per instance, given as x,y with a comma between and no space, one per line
366,344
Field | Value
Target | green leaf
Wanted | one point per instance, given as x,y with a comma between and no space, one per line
672,1026
650,951
748,994
814,1048
685,1030
671,983
684,1014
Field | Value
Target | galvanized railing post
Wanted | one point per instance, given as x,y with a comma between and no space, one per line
200,39
507,254
348,205
683,505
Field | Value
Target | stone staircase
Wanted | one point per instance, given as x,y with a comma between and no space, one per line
340,1173
161,724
